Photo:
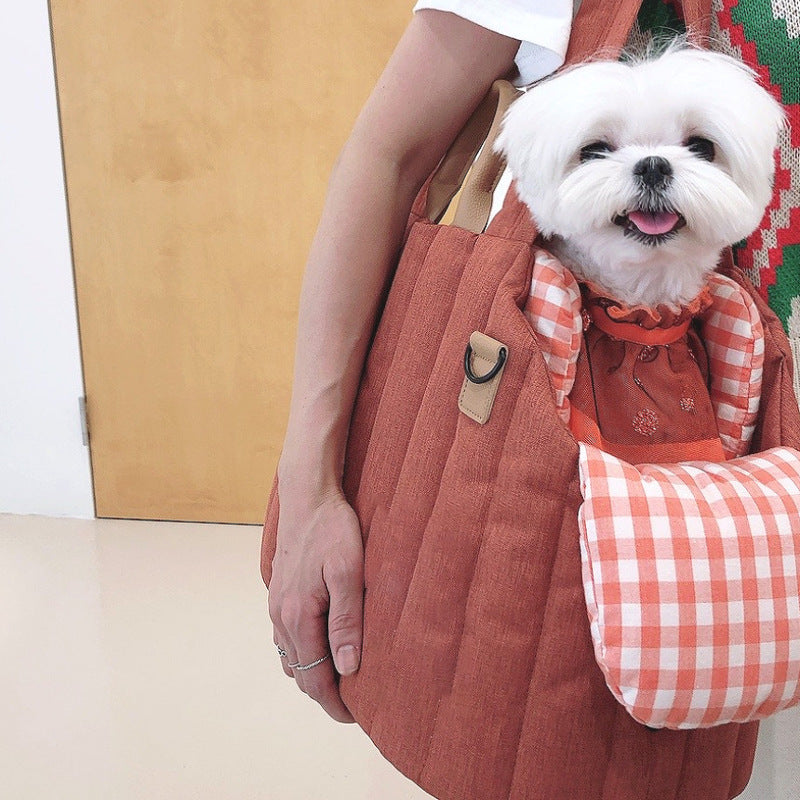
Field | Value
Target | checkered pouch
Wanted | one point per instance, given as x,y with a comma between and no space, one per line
691,581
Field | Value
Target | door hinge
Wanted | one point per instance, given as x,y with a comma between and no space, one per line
84,421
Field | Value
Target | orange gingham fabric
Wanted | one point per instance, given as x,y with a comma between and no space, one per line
731,330
553,309
691,582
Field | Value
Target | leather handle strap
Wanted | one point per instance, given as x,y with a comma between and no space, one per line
475,203
449,175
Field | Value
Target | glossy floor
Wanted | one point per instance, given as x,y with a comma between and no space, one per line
136,663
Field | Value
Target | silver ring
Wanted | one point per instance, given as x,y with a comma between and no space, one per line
300,667
281,652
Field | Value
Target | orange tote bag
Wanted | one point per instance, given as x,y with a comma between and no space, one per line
478,678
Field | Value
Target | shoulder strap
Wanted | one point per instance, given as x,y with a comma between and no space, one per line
475,203
600,28
481,127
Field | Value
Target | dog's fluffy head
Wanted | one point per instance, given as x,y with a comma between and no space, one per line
642,172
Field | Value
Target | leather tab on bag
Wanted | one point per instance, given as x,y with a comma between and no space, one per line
484,362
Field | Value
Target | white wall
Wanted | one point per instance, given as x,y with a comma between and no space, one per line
44,467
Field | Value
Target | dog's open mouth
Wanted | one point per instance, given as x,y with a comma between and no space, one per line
650,227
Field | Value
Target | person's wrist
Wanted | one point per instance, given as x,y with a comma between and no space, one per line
308,475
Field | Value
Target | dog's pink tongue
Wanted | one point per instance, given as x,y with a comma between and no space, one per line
653,223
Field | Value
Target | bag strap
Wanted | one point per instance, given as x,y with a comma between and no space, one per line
603,28
481,127
475,203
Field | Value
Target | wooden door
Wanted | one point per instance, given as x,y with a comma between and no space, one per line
198,138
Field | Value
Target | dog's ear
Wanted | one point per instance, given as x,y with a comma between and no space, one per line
742,118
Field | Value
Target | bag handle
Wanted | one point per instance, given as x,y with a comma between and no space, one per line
449,176
475,203
597,28
603,28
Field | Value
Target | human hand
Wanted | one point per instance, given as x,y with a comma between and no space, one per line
316,595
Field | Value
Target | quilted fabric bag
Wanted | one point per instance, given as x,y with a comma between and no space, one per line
478,677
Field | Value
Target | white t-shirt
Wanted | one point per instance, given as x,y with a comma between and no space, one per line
542,26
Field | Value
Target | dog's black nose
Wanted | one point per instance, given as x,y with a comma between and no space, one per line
653,171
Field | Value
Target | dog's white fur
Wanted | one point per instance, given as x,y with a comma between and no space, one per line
644,109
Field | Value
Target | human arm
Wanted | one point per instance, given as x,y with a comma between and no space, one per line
440,70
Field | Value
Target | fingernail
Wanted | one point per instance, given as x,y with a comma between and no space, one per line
347,659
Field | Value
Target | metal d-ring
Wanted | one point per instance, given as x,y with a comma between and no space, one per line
501,359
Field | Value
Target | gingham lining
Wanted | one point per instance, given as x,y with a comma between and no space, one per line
691,582
553,309
731,330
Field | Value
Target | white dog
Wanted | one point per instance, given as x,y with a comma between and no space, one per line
639,174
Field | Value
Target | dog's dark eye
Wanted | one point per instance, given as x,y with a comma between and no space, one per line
596,150
702,148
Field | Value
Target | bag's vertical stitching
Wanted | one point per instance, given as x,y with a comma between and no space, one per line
684,760
392,351
532,365
435,719
536,659
369,452
687,752
740,732
402,613
486,513
729,792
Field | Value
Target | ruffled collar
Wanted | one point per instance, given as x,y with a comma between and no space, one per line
661,316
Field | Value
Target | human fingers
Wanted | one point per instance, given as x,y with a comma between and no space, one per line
345,582
283,653
313,670
280,636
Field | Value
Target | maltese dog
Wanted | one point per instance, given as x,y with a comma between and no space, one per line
638,174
